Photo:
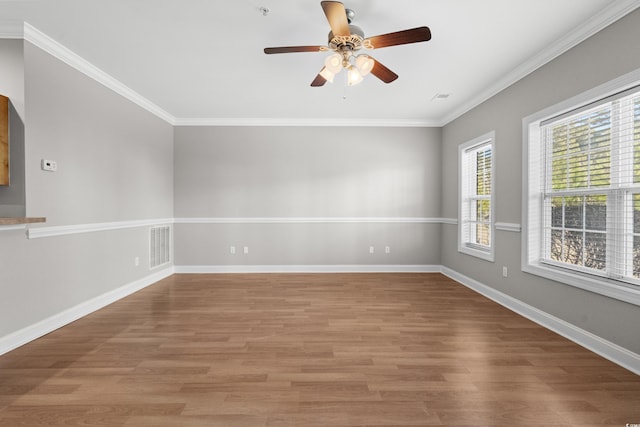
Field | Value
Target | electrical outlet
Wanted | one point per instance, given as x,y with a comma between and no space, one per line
246,249
505,272
387,249
136,261
48,165
371,249
232,250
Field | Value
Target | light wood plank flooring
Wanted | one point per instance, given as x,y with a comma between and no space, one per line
311,350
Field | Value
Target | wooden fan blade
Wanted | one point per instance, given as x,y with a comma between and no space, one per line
337,17
293,49
319,80
382,72
414,35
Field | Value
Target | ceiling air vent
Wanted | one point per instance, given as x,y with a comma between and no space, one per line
441,96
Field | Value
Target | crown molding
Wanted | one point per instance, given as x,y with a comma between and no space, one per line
613,12
66,55
11,29
329,122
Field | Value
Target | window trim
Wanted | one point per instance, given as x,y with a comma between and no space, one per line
487,254
532,197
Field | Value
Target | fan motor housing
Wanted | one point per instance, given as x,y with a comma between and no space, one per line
351,42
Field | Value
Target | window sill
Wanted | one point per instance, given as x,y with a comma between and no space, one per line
602,286
478,253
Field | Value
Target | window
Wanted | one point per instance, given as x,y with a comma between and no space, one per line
475,225
582,197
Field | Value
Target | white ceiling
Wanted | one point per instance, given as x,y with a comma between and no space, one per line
202,61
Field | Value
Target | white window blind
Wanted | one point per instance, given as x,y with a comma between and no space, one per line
476,192
590,186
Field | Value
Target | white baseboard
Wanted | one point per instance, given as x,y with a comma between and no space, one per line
613,352
37,330
372,268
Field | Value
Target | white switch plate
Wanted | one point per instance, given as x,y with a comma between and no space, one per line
49,165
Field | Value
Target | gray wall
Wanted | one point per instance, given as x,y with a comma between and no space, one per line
609,54
12,197
295,172
114,159
115,163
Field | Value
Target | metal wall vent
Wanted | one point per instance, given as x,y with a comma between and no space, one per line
159,245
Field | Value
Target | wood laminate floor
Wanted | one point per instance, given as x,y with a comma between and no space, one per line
311,350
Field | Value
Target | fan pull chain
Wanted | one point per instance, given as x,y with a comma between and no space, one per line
344,88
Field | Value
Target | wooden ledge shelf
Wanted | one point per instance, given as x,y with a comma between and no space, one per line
19,221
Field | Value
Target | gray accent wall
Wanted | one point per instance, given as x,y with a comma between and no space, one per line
609,54
301,173
115,164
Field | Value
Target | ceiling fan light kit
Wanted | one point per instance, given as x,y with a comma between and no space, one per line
334,63
353,76
365,64
345,40
356,68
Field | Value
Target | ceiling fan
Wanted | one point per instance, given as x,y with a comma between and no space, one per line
345,40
